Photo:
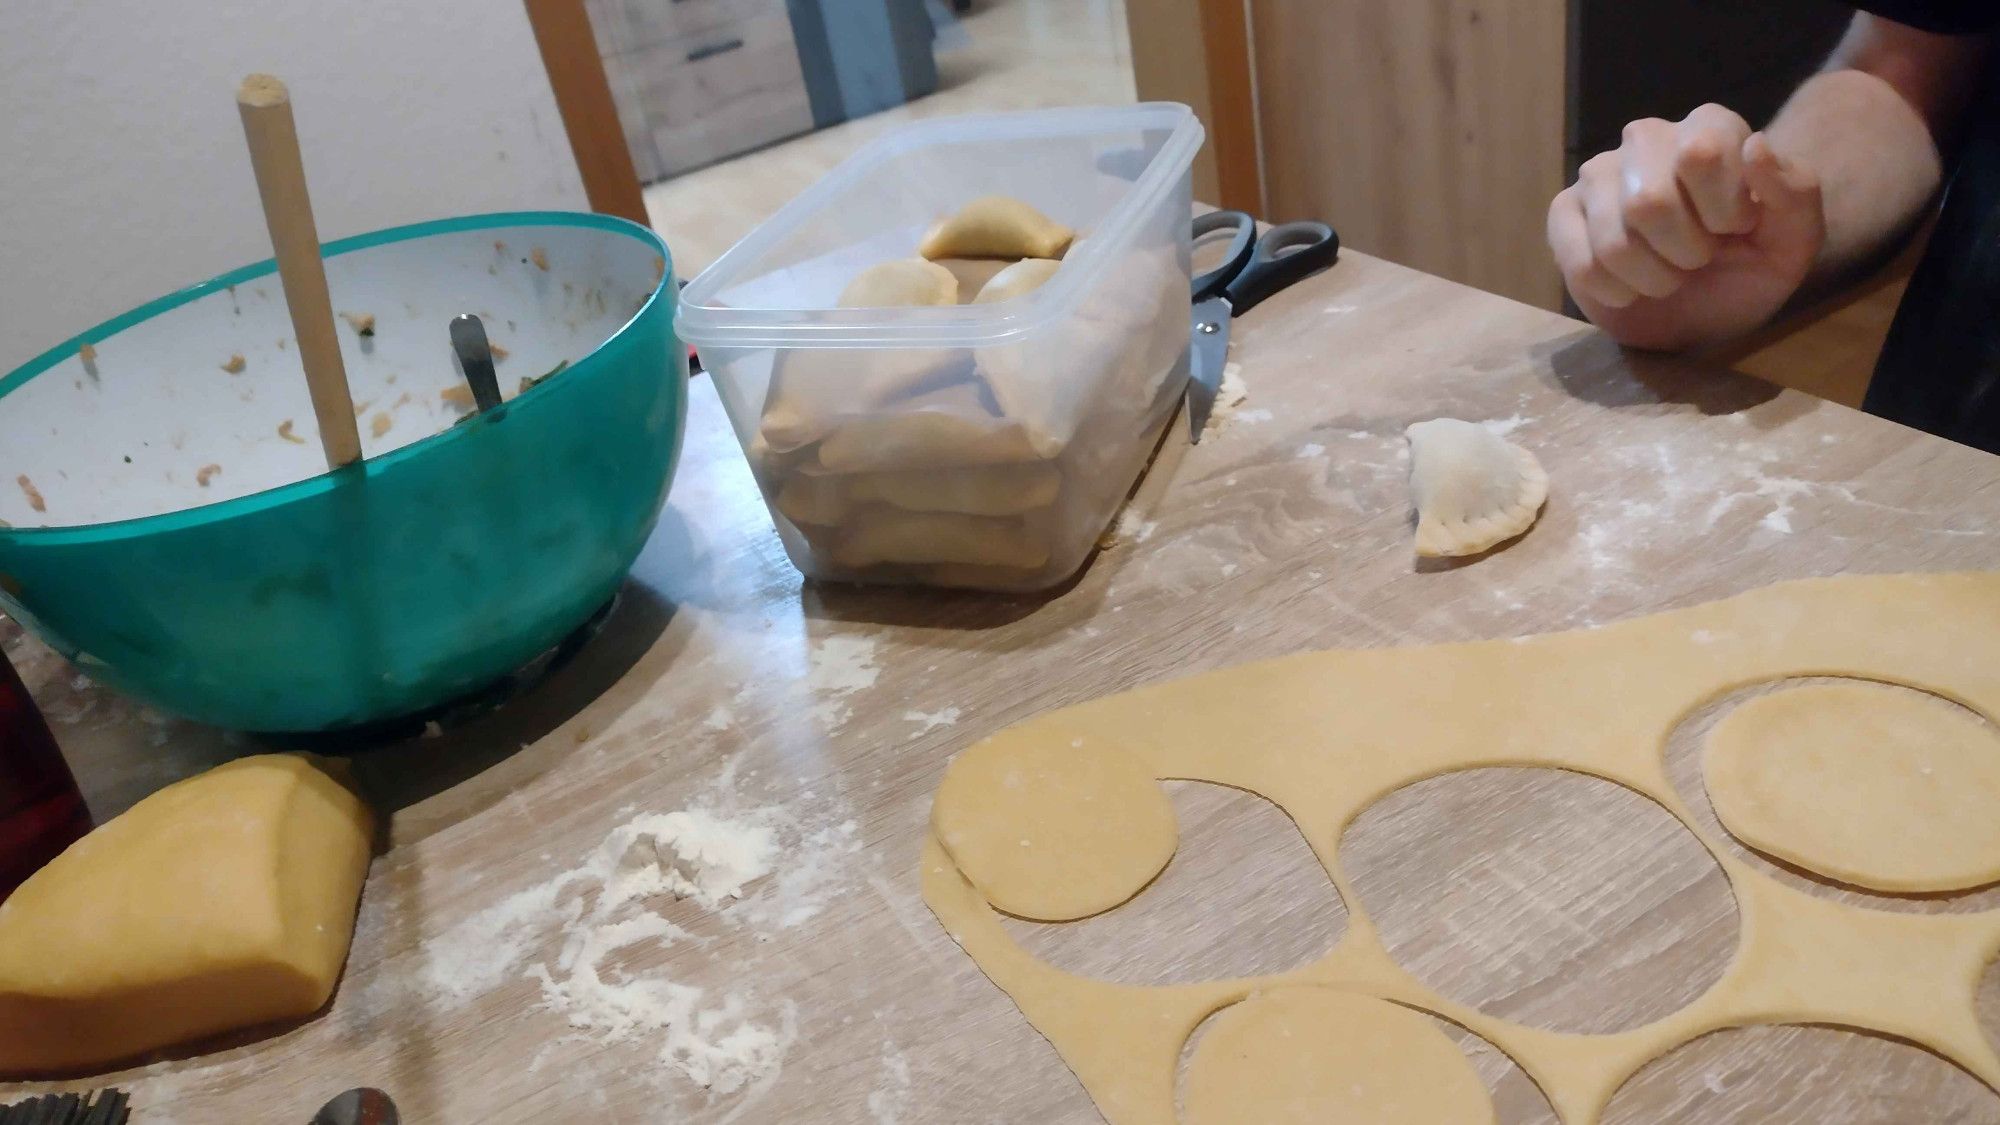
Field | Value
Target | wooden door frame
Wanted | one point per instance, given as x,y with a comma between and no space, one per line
1199,52
1231,65
589,114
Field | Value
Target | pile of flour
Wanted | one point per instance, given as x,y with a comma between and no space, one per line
756,869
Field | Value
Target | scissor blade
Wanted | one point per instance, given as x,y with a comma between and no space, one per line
1207,351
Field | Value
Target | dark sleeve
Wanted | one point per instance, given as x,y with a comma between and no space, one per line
1947,17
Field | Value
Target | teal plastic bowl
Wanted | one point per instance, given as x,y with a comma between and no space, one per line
174,531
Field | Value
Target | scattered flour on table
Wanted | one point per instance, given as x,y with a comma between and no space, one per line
1229,396
1134,527
1501,427
839,666
1781,491
931,720
1663,494
892,1090
1129,527
1311,449
1254,416
579,935
719,718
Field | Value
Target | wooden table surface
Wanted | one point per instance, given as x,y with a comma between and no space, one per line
723,679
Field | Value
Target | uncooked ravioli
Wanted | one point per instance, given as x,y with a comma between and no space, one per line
996,226
1870,785
1054,830
1310,1056
1473,490
1024,276
907,282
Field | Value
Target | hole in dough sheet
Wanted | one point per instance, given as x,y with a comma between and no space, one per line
1683,761
1823,1075
1553,899
1516,1098
1244,896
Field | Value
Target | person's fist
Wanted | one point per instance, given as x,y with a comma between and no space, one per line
1688,233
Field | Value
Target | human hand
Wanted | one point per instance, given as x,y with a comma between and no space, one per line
1688,233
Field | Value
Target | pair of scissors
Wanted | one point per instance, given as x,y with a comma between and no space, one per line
1252,269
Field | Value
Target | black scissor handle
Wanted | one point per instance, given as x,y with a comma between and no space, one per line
1287,253
1242,245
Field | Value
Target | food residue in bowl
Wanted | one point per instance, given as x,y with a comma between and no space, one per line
499,353
459,396
206,473
380,424
236,364
362,323
540,258
529,381
281,343
361,407
284,431
87,354
33,494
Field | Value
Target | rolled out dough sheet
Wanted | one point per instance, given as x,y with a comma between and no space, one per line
1324,735
1861,783
1308,1056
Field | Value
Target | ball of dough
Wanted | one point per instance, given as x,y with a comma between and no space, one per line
1309,1055
217,903
1867,784
1051,826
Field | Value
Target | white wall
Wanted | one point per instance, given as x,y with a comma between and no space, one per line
123,174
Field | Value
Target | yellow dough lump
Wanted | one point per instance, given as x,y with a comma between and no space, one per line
217,903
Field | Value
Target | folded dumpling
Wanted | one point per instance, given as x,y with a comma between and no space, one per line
1473,489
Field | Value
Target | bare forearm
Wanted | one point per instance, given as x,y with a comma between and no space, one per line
1697,231
1877,164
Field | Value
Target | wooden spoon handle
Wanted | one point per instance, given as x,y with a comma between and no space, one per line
266,107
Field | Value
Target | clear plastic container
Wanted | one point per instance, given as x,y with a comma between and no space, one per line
976,445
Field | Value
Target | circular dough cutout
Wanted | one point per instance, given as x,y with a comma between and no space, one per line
1864,783
1307,1056
1054,827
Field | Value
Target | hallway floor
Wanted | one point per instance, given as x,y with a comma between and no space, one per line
1023,54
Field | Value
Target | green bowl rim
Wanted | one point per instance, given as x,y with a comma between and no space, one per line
322,482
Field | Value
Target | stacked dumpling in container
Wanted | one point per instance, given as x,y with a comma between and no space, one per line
992,467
